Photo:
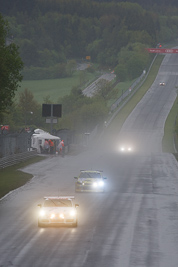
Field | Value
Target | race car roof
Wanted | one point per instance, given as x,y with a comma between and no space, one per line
59,197
90,171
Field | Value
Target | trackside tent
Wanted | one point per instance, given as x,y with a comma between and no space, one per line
38,139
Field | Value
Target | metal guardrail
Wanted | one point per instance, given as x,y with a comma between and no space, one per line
16,158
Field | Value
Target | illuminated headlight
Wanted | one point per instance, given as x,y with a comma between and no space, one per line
52,216
129,149
61,216
72,213
101,183
122,148
42,213
95,184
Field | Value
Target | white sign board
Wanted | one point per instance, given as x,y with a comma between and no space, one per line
52,120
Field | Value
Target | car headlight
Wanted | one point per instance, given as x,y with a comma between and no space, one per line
129,149
101,183
52,215
42,213
95,184
122,148
61,215
72,213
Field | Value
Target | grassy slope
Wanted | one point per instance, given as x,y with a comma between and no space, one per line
12,177
55,88
168,144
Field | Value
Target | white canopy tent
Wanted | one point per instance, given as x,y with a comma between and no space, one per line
39,137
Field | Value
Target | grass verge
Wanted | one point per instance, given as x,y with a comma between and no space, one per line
54,88
169,129
12,178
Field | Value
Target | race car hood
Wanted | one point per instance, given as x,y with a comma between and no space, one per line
89,180
58,209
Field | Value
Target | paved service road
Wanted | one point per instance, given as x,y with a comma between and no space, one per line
133,224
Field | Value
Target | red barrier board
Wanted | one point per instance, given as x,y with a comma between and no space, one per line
162,50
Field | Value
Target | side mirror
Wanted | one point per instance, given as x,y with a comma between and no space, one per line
75,177
104,177
39,205
76,205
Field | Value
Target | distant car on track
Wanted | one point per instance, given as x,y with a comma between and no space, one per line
58,210
162,83
90,181
126,148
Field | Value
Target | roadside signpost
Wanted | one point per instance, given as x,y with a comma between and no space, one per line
52,111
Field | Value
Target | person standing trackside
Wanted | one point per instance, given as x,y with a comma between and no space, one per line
61,148
46,146
51,145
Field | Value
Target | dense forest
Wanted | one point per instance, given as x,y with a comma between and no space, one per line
9,6
50,33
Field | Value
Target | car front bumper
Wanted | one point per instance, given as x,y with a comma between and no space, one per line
67,221
88,188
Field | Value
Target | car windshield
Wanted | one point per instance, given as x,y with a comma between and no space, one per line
57,203
90,175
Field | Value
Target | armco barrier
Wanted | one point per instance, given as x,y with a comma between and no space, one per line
16,158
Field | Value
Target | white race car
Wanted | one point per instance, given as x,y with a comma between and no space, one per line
126,148
58,211
162,83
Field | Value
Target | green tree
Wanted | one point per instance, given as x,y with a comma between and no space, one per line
10,67
103,89
13,117
92,114
82,77
70,67
93,48
132,59
28,52
30,109
47,100
73,101
121,72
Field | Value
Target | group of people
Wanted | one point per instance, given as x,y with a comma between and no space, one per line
51,148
